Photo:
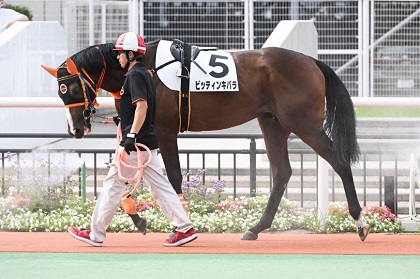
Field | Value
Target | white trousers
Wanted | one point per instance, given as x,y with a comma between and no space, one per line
114,188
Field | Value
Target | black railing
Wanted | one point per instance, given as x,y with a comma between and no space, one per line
369,182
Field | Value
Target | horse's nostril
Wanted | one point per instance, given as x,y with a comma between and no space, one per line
78,133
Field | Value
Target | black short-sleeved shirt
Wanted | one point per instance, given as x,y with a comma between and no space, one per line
139,85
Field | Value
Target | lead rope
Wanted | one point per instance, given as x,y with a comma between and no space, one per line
119,161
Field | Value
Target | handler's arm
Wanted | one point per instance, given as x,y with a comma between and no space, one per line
139,116
117,105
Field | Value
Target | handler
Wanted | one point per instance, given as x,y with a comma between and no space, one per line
137,111
9,16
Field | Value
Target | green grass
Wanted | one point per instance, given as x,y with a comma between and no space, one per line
206,266
387,112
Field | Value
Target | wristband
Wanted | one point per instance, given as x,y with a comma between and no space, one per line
131,135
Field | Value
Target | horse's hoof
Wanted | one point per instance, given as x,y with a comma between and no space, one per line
248,235
363,232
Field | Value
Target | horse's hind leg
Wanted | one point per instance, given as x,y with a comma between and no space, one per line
275,137
168,147
322,146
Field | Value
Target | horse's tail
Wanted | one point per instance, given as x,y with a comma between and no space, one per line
340,118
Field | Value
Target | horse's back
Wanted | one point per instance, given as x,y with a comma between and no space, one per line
285,83
278,69
277,65
272,56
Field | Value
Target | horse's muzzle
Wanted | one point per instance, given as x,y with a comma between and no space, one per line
79,133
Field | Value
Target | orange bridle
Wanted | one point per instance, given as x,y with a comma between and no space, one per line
86,83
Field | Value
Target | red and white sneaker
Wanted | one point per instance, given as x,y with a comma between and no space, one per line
181,238
83,235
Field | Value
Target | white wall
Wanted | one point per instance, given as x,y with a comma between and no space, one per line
297,35
23,48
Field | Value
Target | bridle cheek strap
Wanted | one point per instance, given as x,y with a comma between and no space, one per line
88,83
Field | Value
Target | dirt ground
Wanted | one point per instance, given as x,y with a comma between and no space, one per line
292,242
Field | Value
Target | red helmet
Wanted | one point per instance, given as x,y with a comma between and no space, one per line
131,41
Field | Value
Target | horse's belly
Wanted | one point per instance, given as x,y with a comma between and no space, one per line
223,121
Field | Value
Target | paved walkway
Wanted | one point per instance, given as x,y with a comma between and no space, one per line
289,242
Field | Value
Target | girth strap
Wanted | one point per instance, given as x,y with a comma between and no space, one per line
184,98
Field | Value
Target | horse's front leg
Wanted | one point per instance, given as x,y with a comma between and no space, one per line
275,137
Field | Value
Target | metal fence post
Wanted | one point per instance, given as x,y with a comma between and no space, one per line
253,167
322,192
91,23
83,174
3,175
390,193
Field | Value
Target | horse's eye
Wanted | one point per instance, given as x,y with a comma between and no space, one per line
63,88
76,90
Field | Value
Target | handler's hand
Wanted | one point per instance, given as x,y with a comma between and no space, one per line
130,143
116,119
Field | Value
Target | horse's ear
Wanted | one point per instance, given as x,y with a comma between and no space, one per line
51,70
71,67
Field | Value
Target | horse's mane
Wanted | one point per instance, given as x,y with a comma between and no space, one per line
152,43
91,58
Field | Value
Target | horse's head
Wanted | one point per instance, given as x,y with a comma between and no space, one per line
78,92
97,67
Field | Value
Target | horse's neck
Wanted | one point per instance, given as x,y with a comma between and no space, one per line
149,57
113,79
114,74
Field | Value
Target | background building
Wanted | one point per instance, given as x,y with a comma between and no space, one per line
373,45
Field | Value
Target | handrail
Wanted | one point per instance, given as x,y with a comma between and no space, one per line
113,135
200,135
108,102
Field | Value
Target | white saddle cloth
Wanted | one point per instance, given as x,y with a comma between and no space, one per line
219,70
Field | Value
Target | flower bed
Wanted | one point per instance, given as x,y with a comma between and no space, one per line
228,216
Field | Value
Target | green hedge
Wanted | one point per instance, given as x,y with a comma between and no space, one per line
20,9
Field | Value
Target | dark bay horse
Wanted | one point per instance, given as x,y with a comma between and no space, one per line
288,92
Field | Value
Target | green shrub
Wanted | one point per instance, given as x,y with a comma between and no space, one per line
20,9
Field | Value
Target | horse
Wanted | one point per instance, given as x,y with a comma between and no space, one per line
288,92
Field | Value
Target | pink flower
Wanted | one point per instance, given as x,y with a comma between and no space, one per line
21,201
144,205
232,205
